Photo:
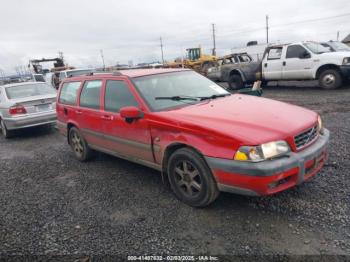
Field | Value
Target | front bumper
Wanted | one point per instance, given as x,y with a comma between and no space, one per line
23,121
270,176
345,71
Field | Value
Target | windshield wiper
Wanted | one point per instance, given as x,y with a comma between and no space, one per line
178,98
213,96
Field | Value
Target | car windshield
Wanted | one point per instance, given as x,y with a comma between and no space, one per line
316,48
23,91
181,88
79,72
339,46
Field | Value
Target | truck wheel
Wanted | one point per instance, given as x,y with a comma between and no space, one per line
235,82
191,179
330,79
5,132
79,145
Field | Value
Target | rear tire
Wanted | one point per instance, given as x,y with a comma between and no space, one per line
330,79
81,149
5,132
235,82
191,179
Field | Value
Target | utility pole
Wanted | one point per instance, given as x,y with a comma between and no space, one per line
103,60
161,49
214,44
338,36
267,29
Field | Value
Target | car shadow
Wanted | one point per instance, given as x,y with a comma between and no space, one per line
33,132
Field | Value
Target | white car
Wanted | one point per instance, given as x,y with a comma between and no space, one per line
25,105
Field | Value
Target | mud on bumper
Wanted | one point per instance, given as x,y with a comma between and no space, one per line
270,176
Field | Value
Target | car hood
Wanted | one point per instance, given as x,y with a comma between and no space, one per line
340,54
249,119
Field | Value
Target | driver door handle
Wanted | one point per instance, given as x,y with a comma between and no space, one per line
284,63
106,117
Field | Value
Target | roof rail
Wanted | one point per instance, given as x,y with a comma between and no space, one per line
117,73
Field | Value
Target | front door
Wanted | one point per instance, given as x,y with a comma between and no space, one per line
298,63
132,140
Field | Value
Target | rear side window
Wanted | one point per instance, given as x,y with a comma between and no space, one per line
274,53
117,96
90,95
295,51
69,93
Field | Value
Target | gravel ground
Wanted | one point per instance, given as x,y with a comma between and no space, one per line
51,204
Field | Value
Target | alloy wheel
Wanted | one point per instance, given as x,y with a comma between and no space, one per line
188,179
77,144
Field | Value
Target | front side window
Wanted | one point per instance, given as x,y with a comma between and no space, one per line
90,95
118,95
275,53
295,51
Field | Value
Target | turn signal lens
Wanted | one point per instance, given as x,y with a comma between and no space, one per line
240,156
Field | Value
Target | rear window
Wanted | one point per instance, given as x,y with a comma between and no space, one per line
24,91
69,93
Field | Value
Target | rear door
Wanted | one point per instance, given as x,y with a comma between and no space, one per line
272,65
132,140
298,63
67,103
89,114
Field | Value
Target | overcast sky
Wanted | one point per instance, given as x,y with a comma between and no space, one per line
130,30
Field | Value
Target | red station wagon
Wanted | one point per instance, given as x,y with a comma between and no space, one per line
202,138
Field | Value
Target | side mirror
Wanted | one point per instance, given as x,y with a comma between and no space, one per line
305,55
130,113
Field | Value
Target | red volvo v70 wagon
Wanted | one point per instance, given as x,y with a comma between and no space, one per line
202,138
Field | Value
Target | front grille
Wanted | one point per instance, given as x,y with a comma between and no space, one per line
305,137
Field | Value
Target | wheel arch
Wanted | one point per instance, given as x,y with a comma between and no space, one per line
238,72
170,149
69,126
326,67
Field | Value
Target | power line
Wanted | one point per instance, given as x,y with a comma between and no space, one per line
312,20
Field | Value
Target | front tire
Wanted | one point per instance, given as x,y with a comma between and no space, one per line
191,179
330,79
5,132
235,82
79,145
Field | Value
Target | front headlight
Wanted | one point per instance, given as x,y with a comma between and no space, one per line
346,60
319,125
262,152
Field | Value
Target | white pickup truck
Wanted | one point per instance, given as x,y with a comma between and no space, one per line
297,61
304,61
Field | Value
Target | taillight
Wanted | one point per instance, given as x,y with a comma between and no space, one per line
18,109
